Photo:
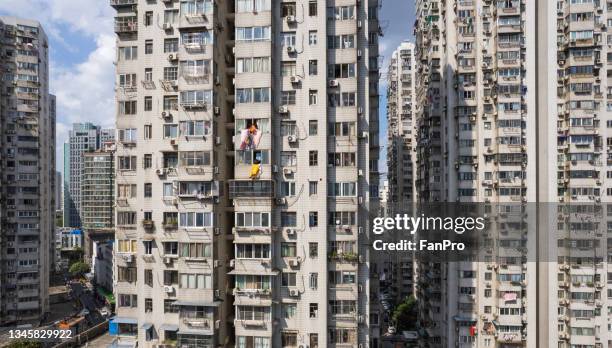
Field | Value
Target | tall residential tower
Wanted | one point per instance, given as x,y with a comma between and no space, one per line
246,164
27,172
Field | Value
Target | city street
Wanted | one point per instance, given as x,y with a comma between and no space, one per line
85,297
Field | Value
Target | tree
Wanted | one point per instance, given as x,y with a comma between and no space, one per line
78,268
405,315
24,344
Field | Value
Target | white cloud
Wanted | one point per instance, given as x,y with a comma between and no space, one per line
84,90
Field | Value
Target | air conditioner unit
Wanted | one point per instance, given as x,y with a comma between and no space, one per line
217,110
217,231
216,263
218,140
360,172
167,26
168,289
232,263
359,53
281,201
287,171
290,232
294,79
294,292
291,49
160,172
274,168
291,19
167,260
283,109
172,57
166,114
294,263
292,138
128,258
333,83
173,142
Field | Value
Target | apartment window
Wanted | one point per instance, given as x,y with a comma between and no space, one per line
344,99
170,307
288,219
253,251
148,305
148,74
127,163
341,13
253,33
195,158
148,190
148,277
288,9
312,97
170,277
195,219
253,64
128,300
128,53
288,128
312,188
127,107
288,279
195,250
148,103
312,8
148,247
313,158
313,250
313,280
252,6
313,219
314,310
248,219
252,95
313,67
195,128
341,159
171,16
196,7
126,190
337,71
195,281
312,37
148,18
288,158
170,102
170,249
342,189
288,38
313,127
148,131
170,131
288,69
287,188
314,340
148,46
288,98
171,73
340,41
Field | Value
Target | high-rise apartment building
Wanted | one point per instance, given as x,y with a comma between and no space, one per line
84,137
97,189
27,172
401,144
247,158
511,110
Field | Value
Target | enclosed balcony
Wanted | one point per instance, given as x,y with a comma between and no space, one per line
251,189
124,25
120,3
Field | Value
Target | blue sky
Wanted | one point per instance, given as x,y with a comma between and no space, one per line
82,51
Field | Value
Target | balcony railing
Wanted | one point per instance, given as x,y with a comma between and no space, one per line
117,3
251,189
126,24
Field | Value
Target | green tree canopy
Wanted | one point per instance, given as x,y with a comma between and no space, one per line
405,315
78,268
